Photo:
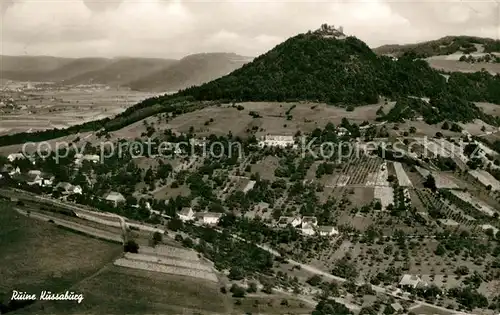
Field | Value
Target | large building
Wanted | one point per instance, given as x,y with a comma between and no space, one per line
278,141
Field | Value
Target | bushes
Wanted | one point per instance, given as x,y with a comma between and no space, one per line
131,247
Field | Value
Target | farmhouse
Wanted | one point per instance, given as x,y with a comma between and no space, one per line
411,282
293,221
308,229
278,141
325,230
115,198
9,169
36,177
15,156
69,189
186,214
341,131
210,217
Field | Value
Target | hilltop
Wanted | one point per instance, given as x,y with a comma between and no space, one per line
313,67
320,68
189,71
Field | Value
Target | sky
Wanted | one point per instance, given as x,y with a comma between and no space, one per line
176,28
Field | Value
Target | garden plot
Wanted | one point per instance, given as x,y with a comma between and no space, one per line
379,178
149,266
169,251
338,181
486,179
169,261
385,195
477,204
401,174
443,181
365,171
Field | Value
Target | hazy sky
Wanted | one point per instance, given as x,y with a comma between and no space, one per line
172,29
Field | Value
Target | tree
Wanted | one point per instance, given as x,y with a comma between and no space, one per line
430,182
157,238
131,247
314,280
331,307
236,273
237,291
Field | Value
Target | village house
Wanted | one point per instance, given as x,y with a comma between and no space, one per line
36,177
186,214
10,170
411,282
115,198
325,230
210,218
69,189
308,229
285,221
15,156
278,141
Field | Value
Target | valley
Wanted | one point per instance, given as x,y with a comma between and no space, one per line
319,178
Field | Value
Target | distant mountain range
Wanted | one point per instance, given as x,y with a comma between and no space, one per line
320,66
145,74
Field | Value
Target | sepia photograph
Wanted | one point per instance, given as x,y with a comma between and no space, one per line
238,157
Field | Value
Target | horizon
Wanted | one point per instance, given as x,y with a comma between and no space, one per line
172,30
230,52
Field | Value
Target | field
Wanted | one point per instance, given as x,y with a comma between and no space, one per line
60,108
37,255
302,116
119,290
453,65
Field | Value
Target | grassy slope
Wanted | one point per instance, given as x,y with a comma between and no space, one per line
126,291
39,256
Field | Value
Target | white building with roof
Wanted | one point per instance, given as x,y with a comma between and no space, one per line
210,218
15,156
186,214
411,281
69,189
283,221
308,229
115,198
278,141
325,230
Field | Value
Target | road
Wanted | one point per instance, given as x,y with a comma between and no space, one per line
309,268
74,226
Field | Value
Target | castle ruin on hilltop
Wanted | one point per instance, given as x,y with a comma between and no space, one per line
329,31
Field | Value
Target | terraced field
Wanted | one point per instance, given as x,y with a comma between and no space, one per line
181,262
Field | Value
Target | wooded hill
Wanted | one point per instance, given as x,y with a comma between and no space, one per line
311,67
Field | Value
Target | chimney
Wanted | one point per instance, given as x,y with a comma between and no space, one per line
341,29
